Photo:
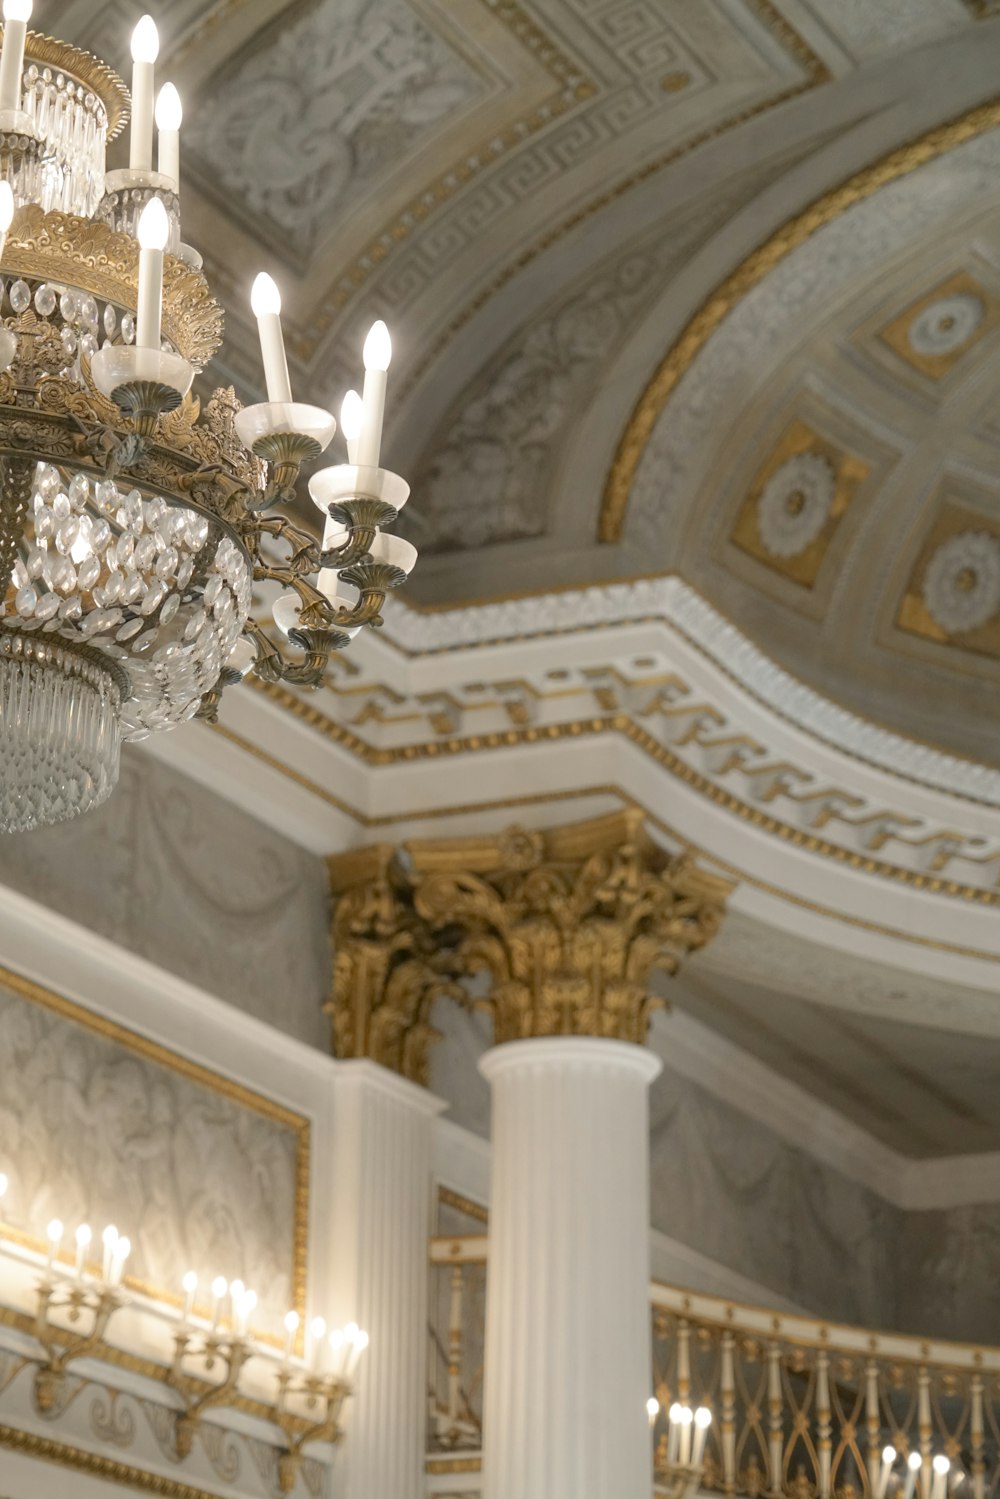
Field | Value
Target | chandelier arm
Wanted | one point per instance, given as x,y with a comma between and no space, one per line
305,551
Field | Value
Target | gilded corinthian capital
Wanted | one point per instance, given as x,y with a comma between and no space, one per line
566,925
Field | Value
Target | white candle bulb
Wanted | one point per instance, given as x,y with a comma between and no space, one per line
675,1433
352,416
687,1419
941,1466
237,1291
4,1184
190,1284
145,50
169,117
16,15
291,1328
378,355
219,1289
265,299
702,1421
109,1239
357,1348
888,1458
122,1251
913,1465
54,1234
83,1238
652,1409
154,231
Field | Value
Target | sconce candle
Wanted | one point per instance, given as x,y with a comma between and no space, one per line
673,1441
942,1467
686,1422
190,1284
913,1465
265,299
702,1421
154,231
219,1289
145,51
122,1251
317,1333
109,1239
83,1238
378,356
352,417
54,1235
169,115
291,1328
16,15
888,1458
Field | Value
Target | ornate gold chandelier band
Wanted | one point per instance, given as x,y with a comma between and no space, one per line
566,927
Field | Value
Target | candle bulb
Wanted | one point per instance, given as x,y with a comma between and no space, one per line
246,1308
83,1238
6,213
145,50
122,1251
888,1458
317,1332
687,1418
4,1184
673,1440
352,416
16,15
54,1234
169,115
154,231
702,1421
652,1410
339,1351
265,299
219,1289
109,1239
913,1465
190,1284
378,355
942,1467
291,1328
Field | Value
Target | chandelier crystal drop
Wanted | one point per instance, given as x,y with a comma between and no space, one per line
135,521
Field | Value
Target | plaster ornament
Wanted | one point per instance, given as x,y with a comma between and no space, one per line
962,582
795,504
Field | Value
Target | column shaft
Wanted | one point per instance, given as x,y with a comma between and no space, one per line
378,1244
568,1358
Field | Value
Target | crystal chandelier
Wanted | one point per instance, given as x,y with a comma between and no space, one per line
134,523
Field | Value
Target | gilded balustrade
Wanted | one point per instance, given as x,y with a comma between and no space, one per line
801,1408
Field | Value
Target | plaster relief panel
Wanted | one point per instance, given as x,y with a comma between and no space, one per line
98,1125
319,107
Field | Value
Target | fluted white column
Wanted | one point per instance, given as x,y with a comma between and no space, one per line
378,1276
568,1356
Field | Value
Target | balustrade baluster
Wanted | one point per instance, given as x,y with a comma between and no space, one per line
976,1439
925,1428
874,1425
684,1361
824,1429
775,1403
455,1345
727,1390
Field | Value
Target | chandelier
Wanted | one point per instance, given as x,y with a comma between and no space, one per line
135,522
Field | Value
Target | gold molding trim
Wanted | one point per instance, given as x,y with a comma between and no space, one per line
450,1199
735,287
153,1051
454,1465
47,1450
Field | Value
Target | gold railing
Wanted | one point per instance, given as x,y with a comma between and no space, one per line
800,1407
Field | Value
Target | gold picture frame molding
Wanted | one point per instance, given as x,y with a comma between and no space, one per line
239,1093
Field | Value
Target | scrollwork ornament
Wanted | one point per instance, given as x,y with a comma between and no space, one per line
111,1418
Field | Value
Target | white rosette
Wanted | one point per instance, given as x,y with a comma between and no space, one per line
962,582
795,504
